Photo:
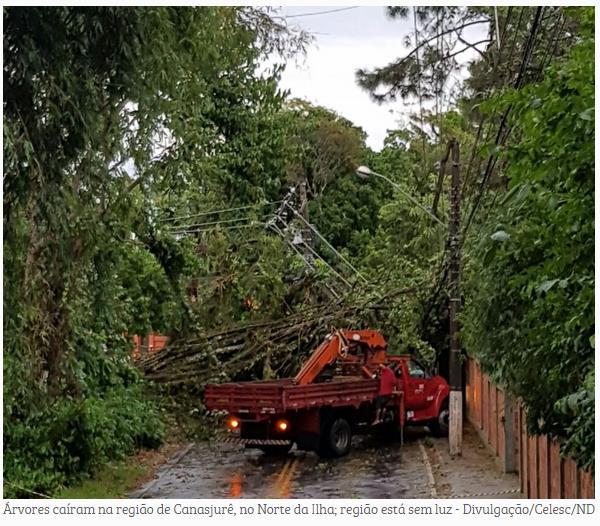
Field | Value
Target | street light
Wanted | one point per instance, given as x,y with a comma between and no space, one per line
364,172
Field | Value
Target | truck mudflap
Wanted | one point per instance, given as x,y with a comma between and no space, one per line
257,441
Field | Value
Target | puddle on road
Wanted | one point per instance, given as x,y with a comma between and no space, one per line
217,470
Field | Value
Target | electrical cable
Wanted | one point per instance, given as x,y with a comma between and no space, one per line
214,229
327,243
443,264
185,227
306,262
419,91
211,212
501,136
209,223
502,85
318,256
323,12
282,234
551,45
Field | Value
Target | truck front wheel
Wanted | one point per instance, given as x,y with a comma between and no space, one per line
336,439
439,426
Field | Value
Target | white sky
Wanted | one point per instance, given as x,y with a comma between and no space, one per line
345,41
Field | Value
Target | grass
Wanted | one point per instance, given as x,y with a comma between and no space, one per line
111,482
116,479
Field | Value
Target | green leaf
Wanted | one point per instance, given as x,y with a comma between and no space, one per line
500,235
489,255
547,285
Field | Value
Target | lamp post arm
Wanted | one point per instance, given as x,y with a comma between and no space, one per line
410,197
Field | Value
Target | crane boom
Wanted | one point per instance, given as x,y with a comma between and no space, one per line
336,346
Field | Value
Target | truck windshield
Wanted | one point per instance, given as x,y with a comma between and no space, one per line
415,370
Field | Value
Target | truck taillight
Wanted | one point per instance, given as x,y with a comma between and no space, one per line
233,423
282,425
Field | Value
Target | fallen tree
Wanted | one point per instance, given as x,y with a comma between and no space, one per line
263,349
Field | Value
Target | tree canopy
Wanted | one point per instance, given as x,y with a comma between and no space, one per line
157,179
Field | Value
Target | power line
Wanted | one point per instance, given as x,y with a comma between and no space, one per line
443,264
306,261
328,244
282,234
323,12
212,212
551,45
501,136
214,229
420,93
504,78
318,256
550,49
209,223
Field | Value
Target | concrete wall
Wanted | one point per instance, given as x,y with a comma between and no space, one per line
501,424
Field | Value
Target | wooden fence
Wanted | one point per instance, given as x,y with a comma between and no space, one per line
148,344
500,421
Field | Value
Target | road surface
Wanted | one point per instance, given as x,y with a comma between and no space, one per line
421,468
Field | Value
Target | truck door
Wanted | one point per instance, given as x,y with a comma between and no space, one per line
416,386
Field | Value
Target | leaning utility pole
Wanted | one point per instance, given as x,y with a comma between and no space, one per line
455,369
303,210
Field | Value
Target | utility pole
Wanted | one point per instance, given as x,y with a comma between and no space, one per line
455,366
305,232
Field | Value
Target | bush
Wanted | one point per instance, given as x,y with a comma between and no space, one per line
70,439
529,314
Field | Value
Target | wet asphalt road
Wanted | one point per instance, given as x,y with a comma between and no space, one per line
216,470
375,468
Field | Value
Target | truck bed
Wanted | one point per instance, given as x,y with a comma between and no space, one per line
278,396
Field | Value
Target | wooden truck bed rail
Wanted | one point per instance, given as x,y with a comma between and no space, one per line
282,395
246,397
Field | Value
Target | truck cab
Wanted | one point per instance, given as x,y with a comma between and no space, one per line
425,395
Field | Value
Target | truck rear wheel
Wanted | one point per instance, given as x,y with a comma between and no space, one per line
336,439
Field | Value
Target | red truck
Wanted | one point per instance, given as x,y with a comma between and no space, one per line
331,398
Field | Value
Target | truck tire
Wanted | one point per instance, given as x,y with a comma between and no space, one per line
276,451
336,439
439,426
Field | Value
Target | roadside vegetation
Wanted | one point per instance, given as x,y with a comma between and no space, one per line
142,178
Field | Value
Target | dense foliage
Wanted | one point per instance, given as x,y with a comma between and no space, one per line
525,123
144,187
97,139
530,305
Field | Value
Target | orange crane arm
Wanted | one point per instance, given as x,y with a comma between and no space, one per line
323,355
336,346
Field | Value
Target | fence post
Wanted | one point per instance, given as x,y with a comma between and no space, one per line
509,435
